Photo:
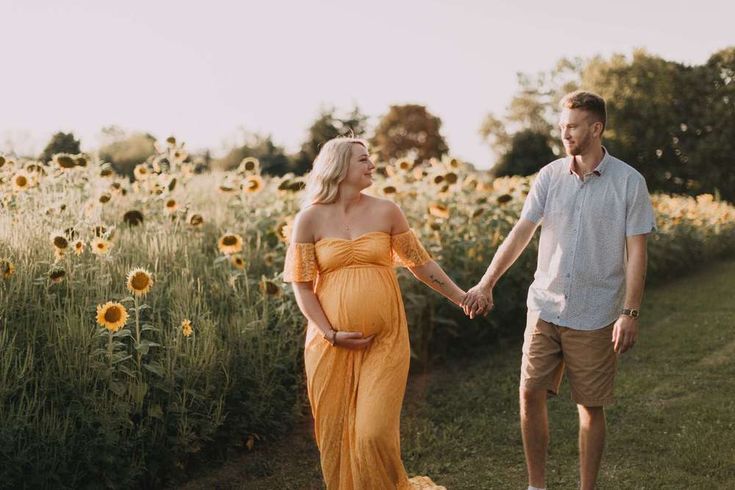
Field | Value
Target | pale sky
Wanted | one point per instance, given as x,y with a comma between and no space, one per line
201,70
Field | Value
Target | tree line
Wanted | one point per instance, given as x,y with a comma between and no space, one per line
673,122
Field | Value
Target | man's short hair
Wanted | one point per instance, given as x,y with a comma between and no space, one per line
588,101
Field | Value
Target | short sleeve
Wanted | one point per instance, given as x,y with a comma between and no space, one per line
639,215
300,263
407,250
533,207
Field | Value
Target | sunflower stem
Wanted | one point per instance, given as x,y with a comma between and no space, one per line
138,355
109,349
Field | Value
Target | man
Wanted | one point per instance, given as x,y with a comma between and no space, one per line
584,301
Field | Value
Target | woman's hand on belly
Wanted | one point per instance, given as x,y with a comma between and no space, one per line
352,340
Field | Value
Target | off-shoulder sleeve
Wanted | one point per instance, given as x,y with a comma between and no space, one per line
407,250
300,263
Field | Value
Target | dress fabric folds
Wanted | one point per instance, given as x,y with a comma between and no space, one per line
356,395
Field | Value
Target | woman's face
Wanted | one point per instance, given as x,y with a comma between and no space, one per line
360,171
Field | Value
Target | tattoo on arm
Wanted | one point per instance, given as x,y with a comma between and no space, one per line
434,279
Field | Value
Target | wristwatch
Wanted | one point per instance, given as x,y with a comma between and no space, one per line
631,312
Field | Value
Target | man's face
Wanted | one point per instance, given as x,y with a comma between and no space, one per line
578,130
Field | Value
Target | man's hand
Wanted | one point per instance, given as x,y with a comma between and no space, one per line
625,333
478,301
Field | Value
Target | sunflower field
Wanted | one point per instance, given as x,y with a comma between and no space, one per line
144,324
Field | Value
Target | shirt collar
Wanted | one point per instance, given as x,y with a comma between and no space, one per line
599,170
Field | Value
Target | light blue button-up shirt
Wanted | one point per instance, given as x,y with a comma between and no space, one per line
580,276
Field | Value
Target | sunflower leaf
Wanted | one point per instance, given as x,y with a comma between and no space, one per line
155,368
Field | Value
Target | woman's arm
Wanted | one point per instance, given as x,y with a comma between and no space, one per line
434,276
430,273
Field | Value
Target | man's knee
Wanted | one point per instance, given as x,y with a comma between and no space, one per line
590,416
532,397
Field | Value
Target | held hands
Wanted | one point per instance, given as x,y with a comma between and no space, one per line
478,301
625,333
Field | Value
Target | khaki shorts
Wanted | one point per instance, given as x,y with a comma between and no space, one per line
586,355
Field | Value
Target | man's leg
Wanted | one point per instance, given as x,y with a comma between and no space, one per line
535,431
591,444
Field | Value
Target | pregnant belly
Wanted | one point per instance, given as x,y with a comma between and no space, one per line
360,300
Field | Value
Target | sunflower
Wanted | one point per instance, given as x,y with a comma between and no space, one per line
78,247
140,281
450,178
439,210
230,243
504,198
106,170
170,206
81,160
237,261
226,187
389,189
171,140
195,220
141,171
105,197
186,328
56,275
100,246
284,230
21,181
59,241
249,165
252,184
179,155
133,217
270,288
404,164
112,316
438,179
2,161
64,161
7,268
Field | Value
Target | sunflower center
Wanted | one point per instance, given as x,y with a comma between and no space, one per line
21,181
113,314
66,162
229,240
170,203
140,281
60,242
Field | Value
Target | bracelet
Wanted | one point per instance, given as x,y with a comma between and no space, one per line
333,340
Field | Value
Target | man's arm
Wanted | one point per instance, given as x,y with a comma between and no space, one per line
625,331
479,299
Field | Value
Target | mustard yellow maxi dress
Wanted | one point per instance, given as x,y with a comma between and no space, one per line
356,395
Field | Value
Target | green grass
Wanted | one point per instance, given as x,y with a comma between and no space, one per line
672,426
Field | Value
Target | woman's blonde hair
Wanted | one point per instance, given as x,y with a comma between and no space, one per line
329,169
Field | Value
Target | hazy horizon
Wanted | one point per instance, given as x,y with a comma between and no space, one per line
202,71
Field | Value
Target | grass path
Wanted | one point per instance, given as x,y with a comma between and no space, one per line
673,426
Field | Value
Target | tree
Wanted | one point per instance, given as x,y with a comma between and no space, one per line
327,126
409,131
60,143
124,152
529,151
273,159
674,123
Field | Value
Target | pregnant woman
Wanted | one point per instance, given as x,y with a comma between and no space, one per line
340,261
